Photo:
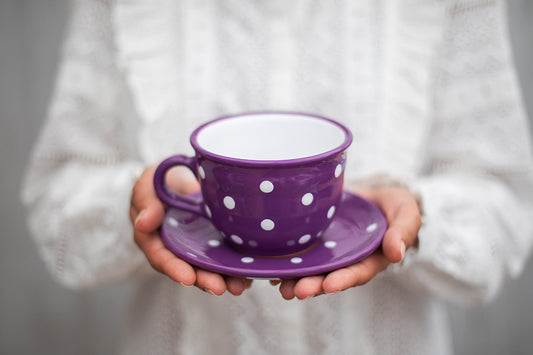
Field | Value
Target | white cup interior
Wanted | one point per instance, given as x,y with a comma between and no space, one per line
271,136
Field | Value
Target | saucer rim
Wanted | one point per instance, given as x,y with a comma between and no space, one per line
283,273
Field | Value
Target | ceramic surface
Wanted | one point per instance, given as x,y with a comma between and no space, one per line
356,231
266,207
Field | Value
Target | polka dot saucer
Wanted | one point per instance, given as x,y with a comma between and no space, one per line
355,232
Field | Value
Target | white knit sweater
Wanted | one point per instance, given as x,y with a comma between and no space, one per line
427,87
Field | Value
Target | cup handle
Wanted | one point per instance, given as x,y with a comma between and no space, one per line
168,196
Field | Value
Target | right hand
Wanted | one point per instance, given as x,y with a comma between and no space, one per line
404,220
147,213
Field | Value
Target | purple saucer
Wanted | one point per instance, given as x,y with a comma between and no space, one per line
355,232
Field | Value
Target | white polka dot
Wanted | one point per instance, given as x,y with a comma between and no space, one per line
291,243
208,211
267,224
372,227
236,239
172,221
338,170
191,254
304,239
247,260
214,243
266,186
330,244
229,202
296,260
253,243
331,212
307,199
201,171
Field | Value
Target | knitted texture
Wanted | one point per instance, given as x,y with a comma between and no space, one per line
427,87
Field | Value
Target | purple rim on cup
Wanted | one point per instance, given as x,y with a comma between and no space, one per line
270,181
274,162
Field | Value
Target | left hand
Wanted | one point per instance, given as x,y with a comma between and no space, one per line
404,220
147,213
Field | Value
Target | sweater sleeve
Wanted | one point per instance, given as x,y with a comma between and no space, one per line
79,180
478,189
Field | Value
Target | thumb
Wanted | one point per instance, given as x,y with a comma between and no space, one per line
150,210
403,217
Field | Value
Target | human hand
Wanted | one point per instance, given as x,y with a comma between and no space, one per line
147,213
404,220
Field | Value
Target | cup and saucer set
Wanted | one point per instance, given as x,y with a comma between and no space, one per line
272,203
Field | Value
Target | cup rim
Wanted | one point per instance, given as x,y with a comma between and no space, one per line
348,138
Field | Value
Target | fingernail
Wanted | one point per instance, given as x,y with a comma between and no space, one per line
182,284
330,292
139,216
209,291
402,248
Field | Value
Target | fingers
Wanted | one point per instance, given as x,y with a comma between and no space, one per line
308,287
356,274
403,216
401,233
180,271
287,289
163,260
394,245
237,285
339,280
216,284
147,211
302,289
210,282
182,181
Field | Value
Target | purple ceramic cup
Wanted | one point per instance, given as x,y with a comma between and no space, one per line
270,181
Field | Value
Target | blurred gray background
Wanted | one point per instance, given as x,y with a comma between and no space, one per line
39,317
